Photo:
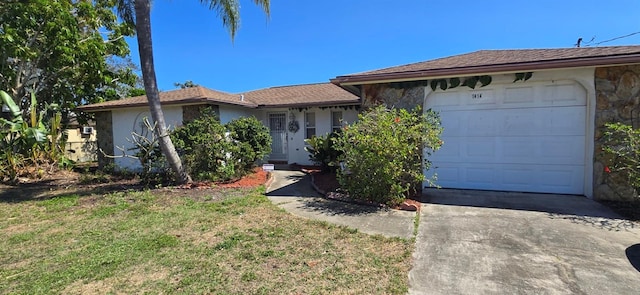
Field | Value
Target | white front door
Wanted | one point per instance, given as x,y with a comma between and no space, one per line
278,129
527,137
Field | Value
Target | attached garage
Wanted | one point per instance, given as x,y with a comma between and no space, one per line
509,136
539,135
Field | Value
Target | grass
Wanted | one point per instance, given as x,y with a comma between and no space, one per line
145,242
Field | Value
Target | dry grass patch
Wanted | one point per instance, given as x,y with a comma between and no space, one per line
228,242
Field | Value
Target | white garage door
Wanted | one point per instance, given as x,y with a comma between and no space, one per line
527,137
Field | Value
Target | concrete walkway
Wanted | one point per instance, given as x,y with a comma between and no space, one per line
292,191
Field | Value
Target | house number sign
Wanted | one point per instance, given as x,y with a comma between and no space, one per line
476,96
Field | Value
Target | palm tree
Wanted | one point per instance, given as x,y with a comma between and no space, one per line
138,12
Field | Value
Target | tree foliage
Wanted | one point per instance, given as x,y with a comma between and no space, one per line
385,152
138,12
186,84
66,52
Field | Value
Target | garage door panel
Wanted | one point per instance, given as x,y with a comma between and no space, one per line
517,138
517,97
479,175
565,121
513,150
563,179
564,94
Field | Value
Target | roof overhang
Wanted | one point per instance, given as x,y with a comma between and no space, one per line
312,104
347,82
191,101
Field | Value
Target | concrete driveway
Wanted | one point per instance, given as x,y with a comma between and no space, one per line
472,242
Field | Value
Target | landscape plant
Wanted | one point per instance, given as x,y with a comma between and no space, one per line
621,145
30,144
322,151
209,150
253,138
385,152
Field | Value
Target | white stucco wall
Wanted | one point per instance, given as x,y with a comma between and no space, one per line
228,113
126,121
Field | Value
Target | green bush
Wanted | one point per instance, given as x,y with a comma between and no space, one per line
621,145
209,150
322,151
254,140
206,149
383,153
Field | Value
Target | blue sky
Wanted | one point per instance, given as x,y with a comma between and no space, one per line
313,41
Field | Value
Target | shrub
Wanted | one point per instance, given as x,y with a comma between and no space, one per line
322,151
206,149
383,153
209,150
253,138
621,145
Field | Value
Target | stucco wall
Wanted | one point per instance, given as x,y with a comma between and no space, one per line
126,121
617,100
228,113
104,137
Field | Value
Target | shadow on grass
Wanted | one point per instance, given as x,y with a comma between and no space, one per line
47,189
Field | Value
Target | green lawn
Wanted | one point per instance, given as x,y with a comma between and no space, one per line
233,242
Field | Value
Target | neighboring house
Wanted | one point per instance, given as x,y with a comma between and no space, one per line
539,135
81,145
317,108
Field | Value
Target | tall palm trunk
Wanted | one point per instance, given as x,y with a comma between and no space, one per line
143,29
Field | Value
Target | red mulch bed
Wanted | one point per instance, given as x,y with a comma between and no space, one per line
327,183
255,179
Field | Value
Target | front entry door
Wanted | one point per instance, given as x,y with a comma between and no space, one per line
278,128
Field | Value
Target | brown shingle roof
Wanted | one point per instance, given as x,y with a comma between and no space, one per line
487,61
301,95
180,96
284,96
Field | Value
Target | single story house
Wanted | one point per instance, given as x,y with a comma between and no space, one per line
316,108
517,120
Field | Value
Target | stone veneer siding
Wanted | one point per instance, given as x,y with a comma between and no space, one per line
104,135
191,112
617,100
376,94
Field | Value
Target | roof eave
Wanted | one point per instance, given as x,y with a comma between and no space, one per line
313,104
462,71
90,109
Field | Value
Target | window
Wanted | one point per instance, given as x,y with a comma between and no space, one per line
336,121
309,125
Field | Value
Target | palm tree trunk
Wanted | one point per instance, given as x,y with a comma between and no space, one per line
143,29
